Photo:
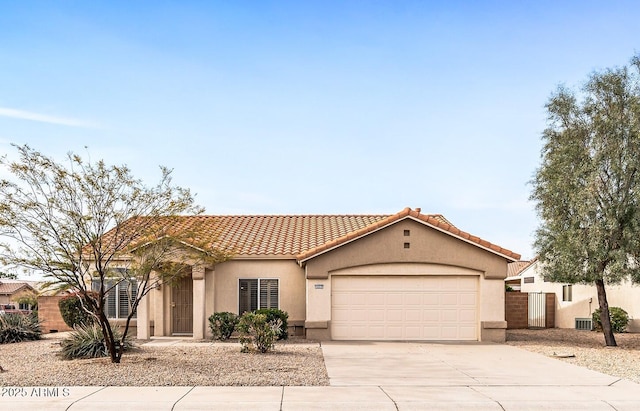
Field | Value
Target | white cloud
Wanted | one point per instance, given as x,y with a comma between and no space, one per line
43,118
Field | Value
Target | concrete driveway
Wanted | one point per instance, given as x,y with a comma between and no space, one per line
473,376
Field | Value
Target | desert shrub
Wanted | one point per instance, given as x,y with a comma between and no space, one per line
18,327
619,319
256,333
87,341
274,314
222,325
72,312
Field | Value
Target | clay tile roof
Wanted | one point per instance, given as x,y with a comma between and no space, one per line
303,236
515,268
12,287
284,235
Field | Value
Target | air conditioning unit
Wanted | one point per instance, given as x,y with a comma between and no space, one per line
584,324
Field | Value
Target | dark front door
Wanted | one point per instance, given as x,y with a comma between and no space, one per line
182,307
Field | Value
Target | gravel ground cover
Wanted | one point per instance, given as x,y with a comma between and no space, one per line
584,348
35,363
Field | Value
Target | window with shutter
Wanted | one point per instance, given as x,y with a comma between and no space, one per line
119,300
126,295
257,293
268,293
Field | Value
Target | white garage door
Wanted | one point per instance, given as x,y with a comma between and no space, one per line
404,307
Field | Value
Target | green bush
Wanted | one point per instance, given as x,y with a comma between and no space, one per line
19,327
256,333
619,319
87,341
274,314
72,312
222,325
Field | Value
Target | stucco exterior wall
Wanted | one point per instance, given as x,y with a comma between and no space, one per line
428,248
425,245
220,293
585,299
222,285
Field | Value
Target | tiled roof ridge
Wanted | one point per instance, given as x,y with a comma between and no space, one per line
431,219
282,215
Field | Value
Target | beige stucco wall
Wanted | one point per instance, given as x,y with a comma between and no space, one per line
426,245
221,293
585,299
430,251
222,285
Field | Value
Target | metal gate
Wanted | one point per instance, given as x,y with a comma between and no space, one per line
537,310
182,307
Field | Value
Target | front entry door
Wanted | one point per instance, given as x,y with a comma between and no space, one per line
182,307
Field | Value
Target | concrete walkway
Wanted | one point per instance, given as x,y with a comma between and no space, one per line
376,376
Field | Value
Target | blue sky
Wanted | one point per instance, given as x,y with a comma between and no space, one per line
308,107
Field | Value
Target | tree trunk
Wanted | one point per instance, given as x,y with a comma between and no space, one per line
109,341
605,319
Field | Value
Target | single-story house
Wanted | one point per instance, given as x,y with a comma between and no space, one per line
575,303
406,276
12,290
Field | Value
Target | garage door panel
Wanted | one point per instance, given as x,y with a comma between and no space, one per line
449,332
413,315
394,315
341,299
431,299
404,307
467,316
358,315
394,299
431,333
412,333
431,316
412,299
373,299
467,333
466,286
340,315
449,299
393,332
449,316
468,299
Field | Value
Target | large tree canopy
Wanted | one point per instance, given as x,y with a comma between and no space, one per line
587,190
92,227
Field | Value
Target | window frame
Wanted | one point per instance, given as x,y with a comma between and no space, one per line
567,293
113,297
259,281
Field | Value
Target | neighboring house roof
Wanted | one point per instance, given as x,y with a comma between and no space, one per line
514,269
12,287
304,236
